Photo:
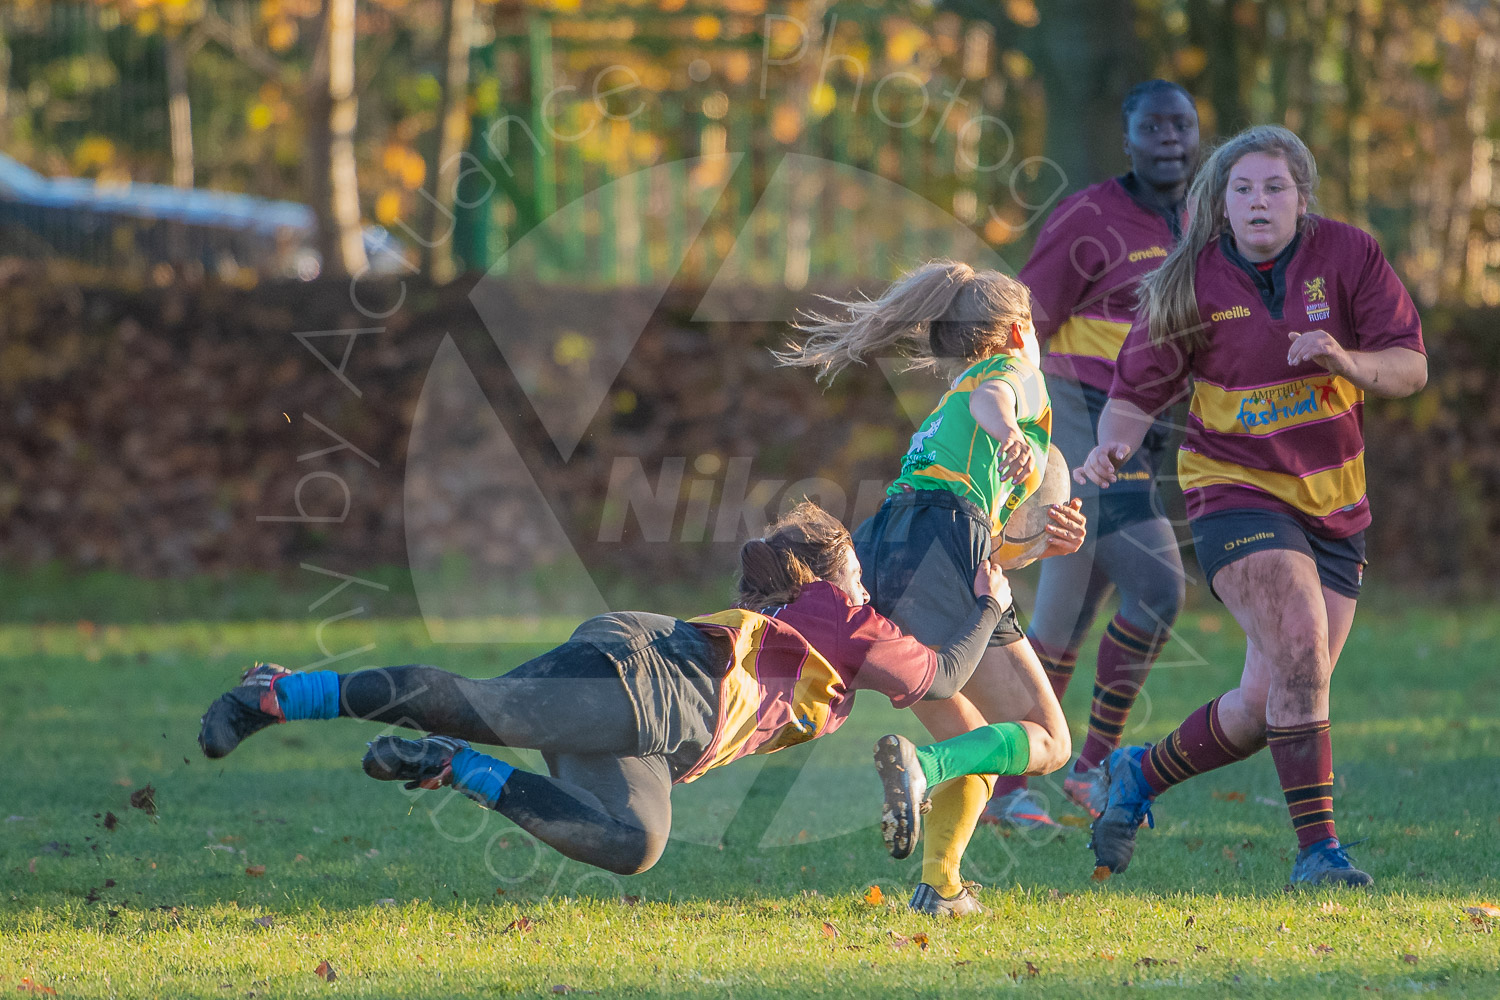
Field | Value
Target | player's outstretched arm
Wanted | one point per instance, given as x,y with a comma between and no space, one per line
1122,428
1394,372
993,406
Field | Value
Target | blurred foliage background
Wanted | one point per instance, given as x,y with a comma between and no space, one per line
1399,99
617,147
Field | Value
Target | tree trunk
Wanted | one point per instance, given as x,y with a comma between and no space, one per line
1357,55
332,114
453,124
1211,25
179,110
1088,58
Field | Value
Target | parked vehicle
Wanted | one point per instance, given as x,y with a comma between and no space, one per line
147,225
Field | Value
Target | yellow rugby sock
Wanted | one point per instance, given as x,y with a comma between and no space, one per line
956,808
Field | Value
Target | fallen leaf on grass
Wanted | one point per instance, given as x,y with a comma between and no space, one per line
1229,796
111,821
1200,947
920,940
1101,873
326,970
1329,906
1323,949
1190,921
1483,910
830,931
874,896
1146,961
266,922
255,871
898,940
520,924
31,866
1281,928
26,985
144,799
300,857
1030,971
1409,959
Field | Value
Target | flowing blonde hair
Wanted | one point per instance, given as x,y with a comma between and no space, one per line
943,310
1167,295
805,545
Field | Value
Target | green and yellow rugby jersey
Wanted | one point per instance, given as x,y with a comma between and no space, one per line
952,452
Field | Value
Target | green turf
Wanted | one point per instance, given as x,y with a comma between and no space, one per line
762,892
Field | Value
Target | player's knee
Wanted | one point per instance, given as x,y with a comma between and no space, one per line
1051,751
1304,657
634,851
1153,603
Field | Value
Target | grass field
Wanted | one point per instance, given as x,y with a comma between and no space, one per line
257,869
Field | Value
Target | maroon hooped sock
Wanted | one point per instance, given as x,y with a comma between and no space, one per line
1304,763
1125,657
1196,746
1059,671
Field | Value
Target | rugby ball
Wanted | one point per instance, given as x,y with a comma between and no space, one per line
1024,536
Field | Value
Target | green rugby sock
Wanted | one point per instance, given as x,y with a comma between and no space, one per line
1002,748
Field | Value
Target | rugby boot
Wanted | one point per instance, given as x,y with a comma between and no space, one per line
905,794
424,763
1327,863
1088,790
242,710
1128,802
927,900
1021,809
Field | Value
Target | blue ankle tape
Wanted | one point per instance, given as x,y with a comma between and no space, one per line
311,695
480,776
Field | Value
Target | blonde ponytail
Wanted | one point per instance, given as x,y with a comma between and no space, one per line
942,310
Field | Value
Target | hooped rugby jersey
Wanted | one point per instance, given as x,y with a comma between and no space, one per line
796,668
1261,433
950,451
1083,274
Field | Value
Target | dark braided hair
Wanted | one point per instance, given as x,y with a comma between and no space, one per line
1143,90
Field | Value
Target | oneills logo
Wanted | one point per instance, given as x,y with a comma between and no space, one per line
1147,254
1259,536
1233,312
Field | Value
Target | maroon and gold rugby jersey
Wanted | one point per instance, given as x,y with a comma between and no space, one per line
1083,274
796,669
1261,433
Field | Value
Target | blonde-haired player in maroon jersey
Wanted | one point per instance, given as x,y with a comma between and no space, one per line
1283,321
